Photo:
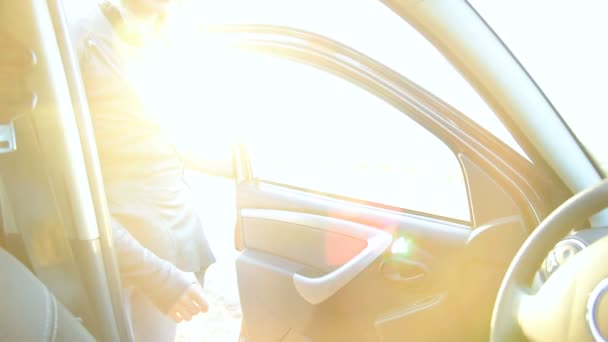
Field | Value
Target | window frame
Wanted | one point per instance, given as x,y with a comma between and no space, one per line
366,84
369,204
525,183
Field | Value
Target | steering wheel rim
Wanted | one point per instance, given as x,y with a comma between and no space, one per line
516,301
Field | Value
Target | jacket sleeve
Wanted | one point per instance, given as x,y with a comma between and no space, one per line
158,279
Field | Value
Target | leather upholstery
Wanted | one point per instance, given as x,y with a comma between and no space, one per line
29,312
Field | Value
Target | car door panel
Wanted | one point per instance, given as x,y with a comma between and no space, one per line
393,325
291,235
435,280
288,266
317,242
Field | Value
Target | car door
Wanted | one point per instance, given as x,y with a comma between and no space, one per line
368,209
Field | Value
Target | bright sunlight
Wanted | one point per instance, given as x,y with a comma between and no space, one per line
308,129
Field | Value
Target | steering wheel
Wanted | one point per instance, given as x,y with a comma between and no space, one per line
572,305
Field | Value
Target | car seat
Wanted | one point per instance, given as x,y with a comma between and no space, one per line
29,311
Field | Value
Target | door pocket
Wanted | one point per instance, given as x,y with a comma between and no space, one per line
414,322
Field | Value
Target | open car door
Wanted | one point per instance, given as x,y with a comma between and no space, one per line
368,209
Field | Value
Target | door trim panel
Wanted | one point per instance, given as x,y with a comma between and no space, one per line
316,290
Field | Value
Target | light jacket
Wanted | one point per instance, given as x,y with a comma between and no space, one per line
157,233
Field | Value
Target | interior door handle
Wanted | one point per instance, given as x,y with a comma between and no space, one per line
316,290
402,269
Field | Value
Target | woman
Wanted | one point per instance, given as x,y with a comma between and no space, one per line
159,239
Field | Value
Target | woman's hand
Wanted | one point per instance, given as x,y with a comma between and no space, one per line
190,304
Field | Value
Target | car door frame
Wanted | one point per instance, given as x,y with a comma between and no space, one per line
535,191
486,161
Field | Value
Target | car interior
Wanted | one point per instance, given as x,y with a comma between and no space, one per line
313,265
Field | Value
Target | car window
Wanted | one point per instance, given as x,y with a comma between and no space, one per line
365,25
372,28
571,67
309,129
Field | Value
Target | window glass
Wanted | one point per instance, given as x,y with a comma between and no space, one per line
309,129
372,28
